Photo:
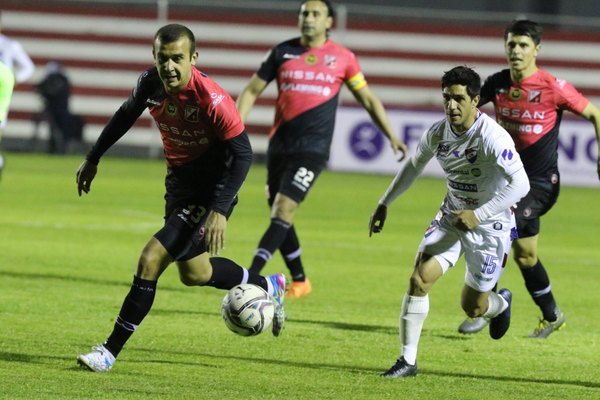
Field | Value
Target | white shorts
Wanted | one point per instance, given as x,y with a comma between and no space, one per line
486,249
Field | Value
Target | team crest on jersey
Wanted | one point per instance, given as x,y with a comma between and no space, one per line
471,155
476,172
311,59
443,150
192,114
515,94
534,96
330,61
171,109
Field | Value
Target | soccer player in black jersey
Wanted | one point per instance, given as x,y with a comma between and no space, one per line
208,155
529,103
309,71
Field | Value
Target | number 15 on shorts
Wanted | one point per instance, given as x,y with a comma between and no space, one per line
489,265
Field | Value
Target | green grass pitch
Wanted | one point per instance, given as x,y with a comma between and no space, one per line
66,264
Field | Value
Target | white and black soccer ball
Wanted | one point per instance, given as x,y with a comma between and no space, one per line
247,310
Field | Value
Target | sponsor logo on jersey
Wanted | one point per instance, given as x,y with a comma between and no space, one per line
192,114
521,114
471,155
443,150
467,201
216,98
456,171
515,128
307,75
463,186
152,102
311,59
330,61
305,88
514,94
175,131
288,56
171,109
535,96
554,179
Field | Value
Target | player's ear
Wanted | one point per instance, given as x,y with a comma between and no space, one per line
194,58
329,23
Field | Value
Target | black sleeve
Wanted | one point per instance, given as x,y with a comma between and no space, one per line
499,80
487,92
122,120
241,152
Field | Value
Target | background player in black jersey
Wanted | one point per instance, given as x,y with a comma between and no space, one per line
310,71
208,155
529,103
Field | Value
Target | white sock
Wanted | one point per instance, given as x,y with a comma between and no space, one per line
412,316
496,304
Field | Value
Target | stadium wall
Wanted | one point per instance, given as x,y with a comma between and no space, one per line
104,49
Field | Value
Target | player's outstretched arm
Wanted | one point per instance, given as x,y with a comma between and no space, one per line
377,219
375,108
592,114
249,94
84,176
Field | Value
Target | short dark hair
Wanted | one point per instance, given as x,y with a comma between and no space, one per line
172,32
465,76
525,27
330,9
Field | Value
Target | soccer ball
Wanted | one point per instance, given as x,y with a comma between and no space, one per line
247,310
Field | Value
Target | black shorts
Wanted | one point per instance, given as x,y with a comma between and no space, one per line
540,199
293,175
188,201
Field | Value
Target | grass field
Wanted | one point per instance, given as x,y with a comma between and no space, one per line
67,262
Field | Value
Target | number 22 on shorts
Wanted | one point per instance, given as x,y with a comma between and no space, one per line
303,178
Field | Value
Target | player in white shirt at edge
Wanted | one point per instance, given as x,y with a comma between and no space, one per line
15,67
485,178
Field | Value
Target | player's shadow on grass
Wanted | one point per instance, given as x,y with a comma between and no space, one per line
278,363
82,279
326,324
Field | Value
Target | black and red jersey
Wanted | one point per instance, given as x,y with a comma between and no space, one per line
192,122
308,82
531,111
202,132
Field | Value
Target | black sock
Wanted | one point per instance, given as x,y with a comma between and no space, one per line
538,285
271,240
226,274
290,250
136,306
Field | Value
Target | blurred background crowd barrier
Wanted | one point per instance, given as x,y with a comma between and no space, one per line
403,48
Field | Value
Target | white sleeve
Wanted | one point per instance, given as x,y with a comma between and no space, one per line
23,66
413,168
517,188
401,182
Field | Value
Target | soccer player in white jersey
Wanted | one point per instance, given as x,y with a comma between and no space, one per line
485,178
15,67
